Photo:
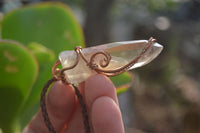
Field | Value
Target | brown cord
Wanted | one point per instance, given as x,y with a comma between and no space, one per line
83,109
43,106
45,113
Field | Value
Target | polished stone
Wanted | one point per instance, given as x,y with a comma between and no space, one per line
121,53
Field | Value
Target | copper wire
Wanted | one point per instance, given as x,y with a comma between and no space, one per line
108,58
60,75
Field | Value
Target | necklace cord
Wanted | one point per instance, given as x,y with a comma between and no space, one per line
83,109
43,106
45,112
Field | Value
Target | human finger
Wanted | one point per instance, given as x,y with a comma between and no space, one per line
60,103
106,116
94,87
97,86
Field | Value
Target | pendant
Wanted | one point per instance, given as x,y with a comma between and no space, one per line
107,59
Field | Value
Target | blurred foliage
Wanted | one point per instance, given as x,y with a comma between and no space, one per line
165,95
157,5
44,29
122,82
14,86
42,54
50,24
166,92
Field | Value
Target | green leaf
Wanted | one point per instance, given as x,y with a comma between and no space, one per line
53,25
122,82
17,65
50,24
42,54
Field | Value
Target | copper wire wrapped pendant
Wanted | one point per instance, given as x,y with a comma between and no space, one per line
108,59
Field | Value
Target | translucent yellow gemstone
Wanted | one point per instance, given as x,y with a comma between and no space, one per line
121,53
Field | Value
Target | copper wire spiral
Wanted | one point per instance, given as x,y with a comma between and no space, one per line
60,75
107,58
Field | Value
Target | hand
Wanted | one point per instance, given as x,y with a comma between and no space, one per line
65,113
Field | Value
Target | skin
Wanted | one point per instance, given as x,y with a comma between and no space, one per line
65,113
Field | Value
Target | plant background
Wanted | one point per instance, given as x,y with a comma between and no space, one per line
165,94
